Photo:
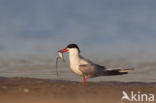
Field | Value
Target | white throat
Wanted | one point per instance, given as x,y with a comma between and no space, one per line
74,57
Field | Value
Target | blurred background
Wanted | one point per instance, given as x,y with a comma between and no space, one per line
110,32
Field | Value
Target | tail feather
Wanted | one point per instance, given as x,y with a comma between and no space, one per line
117,71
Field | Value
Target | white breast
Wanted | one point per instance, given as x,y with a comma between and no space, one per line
74,61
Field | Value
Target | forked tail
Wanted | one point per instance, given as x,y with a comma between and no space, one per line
117,71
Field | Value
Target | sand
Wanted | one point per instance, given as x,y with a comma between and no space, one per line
30,90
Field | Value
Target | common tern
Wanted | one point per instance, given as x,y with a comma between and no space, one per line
86,68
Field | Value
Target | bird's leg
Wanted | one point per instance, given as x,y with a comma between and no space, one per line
84,80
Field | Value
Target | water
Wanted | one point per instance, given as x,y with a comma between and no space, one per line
112,28
44,67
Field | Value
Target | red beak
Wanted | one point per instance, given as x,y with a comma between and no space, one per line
64,50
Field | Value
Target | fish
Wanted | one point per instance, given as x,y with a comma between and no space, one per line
61,57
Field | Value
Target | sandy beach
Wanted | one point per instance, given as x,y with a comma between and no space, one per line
30,90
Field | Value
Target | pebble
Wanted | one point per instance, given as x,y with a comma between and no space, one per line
4,87
26,90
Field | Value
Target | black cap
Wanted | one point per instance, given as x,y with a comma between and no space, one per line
73,46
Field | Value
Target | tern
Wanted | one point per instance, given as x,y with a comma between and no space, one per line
86,68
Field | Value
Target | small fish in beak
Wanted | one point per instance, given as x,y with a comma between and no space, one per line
60,55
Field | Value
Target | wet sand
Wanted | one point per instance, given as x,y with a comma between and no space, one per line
30,90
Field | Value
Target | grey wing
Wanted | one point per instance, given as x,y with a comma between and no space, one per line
91,69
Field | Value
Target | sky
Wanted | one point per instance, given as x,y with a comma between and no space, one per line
113,27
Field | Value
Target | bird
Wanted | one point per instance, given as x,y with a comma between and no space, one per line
86,68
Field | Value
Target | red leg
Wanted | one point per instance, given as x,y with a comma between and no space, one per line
84,80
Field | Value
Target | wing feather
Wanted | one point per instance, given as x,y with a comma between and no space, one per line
91,69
